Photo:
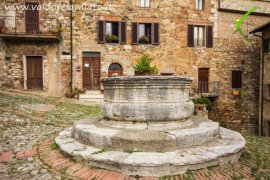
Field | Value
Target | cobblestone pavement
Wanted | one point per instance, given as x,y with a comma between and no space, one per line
28,125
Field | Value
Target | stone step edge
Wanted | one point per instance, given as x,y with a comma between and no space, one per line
154,164
108,137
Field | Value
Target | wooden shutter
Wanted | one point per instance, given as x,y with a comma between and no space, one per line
237,79
101,30
190,38
135,33
156,34
123,33
209,36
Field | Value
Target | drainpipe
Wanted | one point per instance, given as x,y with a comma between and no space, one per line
71,46
261,103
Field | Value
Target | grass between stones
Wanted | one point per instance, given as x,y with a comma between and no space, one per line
65,112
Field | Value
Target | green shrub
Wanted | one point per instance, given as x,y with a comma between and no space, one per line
206,101
144,65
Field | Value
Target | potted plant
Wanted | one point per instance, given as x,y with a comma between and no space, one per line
76,92
143,67
203,103
144,40
57,30
111,38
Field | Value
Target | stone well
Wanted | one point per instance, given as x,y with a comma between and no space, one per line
148,130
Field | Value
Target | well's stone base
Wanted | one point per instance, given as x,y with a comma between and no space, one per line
198,144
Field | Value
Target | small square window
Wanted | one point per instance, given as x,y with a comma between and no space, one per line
237,79
199,4
145,3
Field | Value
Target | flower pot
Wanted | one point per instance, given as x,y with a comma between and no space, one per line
69,95
76,96
142,73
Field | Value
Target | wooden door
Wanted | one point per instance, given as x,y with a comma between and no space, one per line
34,73
203,84
91,73
32,17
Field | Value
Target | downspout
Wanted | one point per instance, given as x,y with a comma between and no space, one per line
261,103
71,45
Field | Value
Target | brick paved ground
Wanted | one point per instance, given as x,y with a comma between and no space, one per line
28,151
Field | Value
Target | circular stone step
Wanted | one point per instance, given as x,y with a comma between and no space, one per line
224,150
151,138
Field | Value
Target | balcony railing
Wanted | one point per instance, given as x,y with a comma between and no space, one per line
205,87
19,26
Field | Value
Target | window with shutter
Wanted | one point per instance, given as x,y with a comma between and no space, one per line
111,32
236,79
145,33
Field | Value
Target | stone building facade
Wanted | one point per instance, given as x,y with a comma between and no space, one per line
185,37
264,119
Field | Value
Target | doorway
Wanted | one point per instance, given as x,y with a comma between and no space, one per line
34,73
203,80
32,17
91,71
115,69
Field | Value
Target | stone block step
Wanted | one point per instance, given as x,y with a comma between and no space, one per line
227,149
91,96
93,133
92,92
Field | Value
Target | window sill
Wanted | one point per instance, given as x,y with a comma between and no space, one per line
113,44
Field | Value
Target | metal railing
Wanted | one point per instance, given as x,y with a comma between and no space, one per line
19,25
208,87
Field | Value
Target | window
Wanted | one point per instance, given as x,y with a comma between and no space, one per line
199,36
236,79
145,33
266,45
145,3
199,4
111,32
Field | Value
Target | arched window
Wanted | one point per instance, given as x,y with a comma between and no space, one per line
115,69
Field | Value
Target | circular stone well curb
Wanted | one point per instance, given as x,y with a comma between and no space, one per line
224,150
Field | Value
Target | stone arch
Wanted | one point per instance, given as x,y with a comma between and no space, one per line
115,69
